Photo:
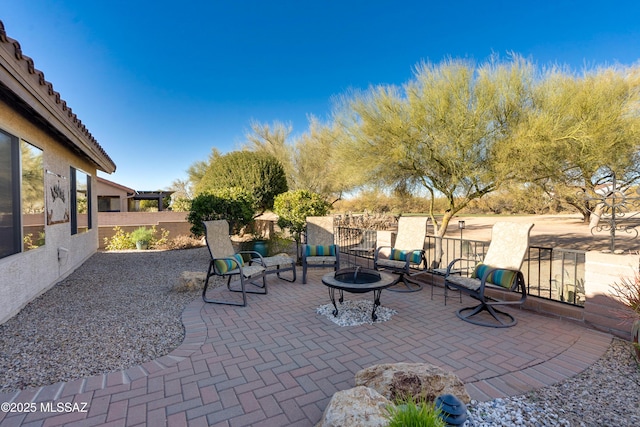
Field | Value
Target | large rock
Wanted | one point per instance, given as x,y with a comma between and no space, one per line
356,407
191,281
420,380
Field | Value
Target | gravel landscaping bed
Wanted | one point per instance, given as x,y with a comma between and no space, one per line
119,310
116,311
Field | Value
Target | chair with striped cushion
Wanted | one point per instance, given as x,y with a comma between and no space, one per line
226,262
406,254
499,271
320,251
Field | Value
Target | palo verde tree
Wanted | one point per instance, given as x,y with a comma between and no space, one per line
259,173
577,132
309,161
439,132
274,140
317,162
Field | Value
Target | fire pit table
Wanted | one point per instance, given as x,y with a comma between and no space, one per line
357,280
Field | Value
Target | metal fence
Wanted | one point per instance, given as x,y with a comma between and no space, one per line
552,273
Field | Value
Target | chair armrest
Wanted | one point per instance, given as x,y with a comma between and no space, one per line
375,256
255,256
451,264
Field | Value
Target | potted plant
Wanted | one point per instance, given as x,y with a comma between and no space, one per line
141,237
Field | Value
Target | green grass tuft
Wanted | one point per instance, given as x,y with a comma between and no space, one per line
409,413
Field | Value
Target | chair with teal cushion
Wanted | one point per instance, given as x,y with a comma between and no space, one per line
407,253
500,271
320,251
225,262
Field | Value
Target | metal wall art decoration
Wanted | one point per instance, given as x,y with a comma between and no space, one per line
615,211
57,198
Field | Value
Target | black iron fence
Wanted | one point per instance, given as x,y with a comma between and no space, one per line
552,273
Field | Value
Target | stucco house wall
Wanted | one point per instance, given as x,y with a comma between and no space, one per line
32,111
111,189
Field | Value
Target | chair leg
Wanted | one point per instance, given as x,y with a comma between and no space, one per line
214,301
410,286
494,312
293,272
304,274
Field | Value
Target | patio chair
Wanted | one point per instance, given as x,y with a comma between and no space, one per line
225,262
367,244
407,253
500,270
320,250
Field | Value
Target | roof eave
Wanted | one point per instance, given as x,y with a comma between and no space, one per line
18,75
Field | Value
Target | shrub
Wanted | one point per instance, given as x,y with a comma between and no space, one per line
121,240
294,207
141,234
628,293
260,174
278,244
233,204
162,241
409,413
180,242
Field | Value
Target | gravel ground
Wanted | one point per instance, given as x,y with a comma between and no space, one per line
605,394
87,328
76,329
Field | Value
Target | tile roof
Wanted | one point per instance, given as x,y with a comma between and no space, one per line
26,86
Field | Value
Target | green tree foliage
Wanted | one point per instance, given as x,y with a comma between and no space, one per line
576,132
272,139
318,165
294,207
439,132
198,169
260,174
309,161
234,204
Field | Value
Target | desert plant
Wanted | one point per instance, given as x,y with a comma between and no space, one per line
158,242
409,413
627,291
121,240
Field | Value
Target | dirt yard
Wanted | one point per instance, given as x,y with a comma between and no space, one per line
565,231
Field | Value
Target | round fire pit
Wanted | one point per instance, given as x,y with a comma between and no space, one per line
357,280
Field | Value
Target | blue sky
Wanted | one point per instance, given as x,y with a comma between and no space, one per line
159,83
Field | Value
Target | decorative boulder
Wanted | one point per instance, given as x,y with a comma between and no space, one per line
420,380
356,407
191,281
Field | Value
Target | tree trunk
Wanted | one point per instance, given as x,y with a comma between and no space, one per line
439,232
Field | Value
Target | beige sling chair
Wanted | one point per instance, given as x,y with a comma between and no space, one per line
500,270
225,262
406,254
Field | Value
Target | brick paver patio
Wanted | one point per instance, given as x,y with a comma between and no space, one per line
277,363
